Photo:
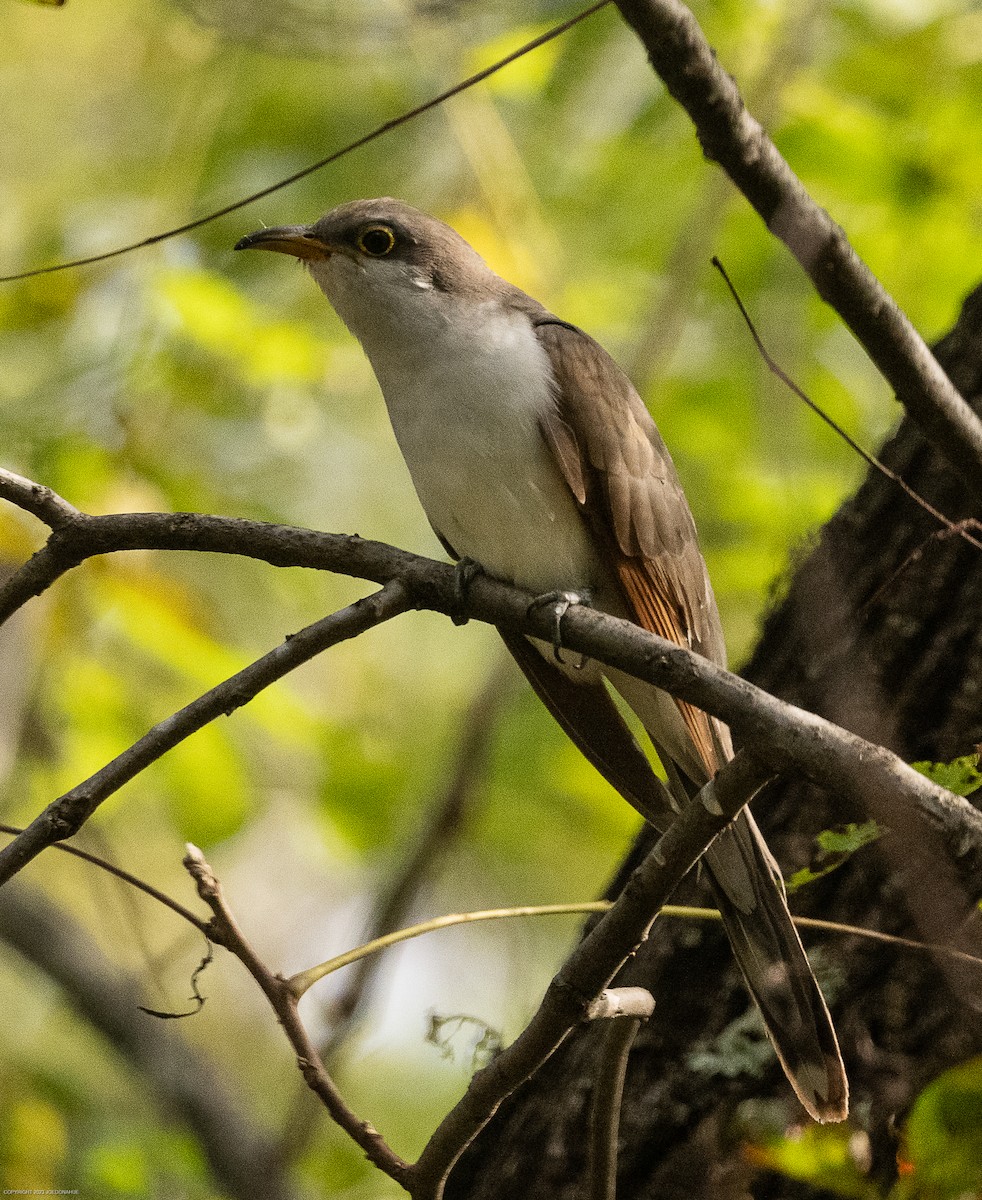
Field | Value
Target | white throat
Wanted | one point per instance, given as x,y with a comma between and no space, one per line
466,386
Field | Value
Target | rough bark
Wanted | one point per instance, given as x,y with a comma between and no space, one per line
879,631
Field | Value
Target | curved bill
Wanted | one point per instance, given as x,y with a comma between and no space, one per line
297,240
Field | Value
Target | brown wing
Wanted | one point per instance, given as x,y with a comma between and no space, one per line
618,468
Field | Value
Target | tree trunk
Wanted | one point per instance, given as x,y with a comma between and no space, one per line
880,631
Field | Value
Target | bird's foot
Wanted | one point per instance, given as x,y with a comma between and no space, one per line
466,570
558,603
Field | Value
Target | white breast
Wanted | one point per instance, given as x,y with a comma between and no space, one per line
466,407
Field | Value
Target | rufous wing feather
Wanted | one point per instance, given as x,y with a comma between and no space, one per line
617,466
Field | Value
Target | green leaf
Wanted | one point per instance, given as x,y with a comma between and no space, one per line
834,847
847,839
943,1141
961,775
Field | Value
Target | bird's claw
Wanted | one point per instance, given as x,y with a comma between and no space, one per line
559,603
466,570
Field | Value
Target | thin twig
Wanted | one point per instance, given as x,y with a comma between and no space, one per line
304,980
65,816
284,1004
300,982
950,528
729,135
133,880
958,529
377,132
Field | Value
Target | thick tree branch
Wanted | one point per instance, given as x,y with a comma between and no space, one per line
242,1158
730,136
588,970
788,738
69,812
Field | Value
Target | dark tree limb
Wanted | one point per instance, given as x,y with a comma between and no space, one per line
588,970
731,137
785,737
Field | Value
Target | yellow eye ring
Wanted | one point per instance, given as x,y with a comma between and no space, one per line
376,241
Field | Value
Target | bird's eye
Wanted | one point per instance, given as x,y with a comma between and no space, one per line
376,240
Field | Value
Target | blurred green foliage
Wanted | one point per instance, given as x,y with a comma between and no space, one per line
939,1156
183,377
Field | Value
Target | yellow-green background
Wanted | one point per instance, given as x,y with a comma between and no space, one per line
185,377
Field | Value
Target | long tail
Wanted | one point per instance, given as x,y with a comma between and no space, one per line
751,898
745,877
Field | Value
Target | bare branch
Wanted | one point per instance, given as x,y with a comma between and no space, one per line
729,136
284,1004
787,737
133,880
279,545
587,971
68,813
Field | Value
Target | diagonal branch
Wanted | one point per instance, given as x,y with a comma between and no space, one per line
66,815
788,738
134,881
276,990
729,135
588,970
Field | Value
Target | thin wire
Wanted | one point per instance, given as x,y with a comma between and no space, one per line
377,132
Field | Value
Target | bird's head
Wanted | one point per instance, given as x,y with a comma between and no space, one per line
383,265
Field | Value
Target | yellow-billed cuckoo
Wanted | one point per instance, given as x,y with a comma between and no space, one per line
534,457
